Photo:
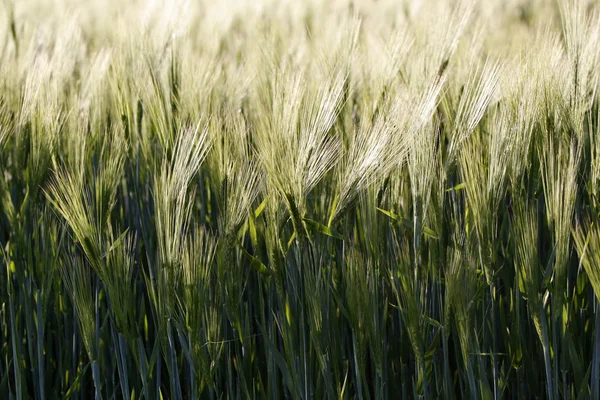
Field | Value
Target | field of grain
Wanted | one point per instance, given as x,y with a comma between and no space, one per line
316,199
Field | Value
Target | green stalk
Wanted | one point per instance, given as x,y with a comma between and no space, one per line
143,369
417,265
494,342
595,375
121,362
359,389
74,346
447,378
40,347
546,348
29,327
16,354
96,345
96,378
174,373
158,381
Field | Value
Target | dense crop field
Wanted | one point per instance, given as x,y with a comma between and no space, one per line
299,199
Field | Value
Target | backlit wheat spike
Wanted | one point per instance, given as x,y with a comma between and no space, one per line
477,95
369,158
172,190
586,239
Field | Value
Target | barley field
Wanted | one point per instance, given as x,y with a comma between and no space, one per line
316,199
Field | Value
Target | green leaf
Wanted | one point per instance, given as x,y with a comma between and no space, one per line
429,233
257,264
291,241
325,230
458,187
260,208
252,229
279,361
116,243
434,345
390,214
75,385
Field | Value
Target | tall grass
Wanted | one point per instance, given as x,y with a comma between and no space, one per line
321,199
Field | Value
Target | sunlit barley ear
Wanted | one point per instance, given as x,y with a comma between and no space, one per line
525,236
594,138
73,201
587,240
559,159
462,285
414,138
484,167
370,157
500,147
198,257
85,199
94,83
581,33
478,93
244,187
196,300
6,127
422,165
77,278
299,130
318,149
235,174
439,30
407,285
173,191
116,272
522,112
381,63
